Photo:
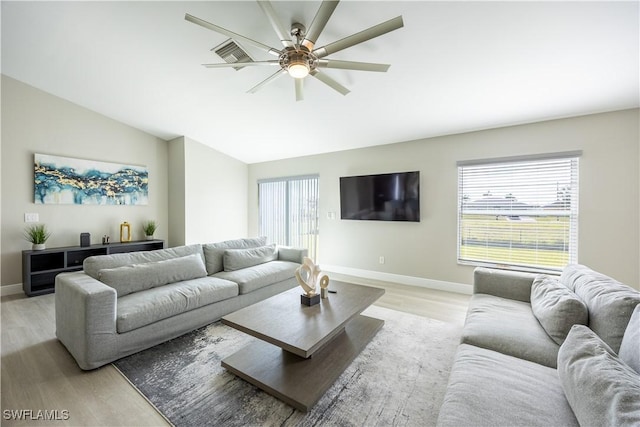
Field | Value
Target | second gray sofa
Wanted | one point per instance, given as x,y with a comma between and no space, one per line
547,351
124,303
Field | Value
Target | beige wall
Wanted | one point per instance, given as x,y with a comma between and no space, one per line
177,214
36,122
202,195
609,221
215,195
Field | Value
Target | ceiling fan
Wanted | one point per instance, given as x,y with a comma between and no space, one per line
299,56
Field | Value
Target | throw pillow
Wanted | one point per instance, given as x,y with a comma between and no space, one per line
213,252
236,259
93,264
138,277
630,348
556,307
600,388
610,303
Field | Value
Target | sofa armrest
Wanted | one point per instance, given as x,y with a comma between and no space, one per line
509,284
287,253
86,318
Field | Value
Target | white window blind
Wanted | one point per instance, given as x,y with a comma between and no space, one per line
519,213
288,211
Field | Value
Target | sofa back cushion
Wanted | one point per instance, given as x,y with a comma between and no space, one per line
94,264
610,303
237,259
630,348
138,277
600,388
214,252
556,307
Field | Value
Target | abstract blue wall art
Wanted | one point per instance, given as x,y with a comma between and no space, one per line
64,180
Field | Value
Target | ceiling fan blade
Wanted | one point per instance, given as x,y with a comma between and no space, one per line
299,89
319,22
266,81
351,65
362,36
282,33
240,64
231,34
330,82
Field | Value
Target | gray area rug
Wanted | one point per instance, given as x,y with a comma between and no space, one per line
399,379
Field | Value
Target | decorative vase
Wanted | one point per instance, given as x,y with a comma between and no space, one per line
38,246
149,237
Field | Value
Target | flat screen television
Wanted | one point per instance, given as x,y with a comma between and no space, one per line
382,197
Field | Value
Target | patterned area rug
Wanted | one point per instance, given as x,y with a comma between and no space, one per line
399,379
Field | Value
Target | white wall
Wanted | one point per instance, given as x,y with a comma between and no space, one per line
207,194
36,122
609,233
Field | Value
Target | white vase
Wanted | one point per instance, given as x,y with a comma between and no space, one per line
150,237
38,246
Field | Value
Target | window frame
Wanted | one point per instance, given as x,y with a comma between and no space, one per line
573,218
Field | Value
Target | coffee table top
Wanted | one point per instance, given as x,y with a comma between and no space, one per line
283,321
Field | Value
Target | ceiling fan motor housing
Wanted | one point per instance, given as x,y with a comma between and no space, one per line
301,56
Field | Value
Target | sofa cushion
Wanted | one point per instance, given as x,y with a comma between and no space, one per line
214,252
490,388
630,347
138,277
601,389
237,259
96,263
256,277
556,307
286,253
144,308
508,326
610,303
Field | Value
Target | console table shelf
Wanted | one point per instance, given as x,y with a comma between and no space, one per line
40,268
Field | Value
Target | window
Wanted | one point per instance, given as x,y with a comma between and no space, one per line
519,213
288,211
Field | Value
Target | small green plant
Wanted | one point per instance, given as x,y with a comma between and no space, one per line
37,234
149,227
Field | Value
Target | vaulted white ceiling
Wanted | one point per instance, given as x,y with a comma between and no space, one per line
455,67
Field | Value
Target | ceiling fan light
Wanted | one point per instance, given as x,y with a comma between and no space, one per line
298,70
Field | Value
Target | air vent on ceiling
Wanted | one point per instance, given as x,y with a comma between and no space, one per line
232,53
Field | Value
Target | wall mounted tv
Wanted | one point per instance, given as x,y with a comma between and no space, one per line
382,197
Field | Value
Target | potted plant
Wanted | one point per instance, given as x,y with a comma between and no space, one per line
149,228
37,234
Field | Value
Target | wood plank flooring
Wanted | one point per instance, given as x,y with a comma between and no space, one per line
38,374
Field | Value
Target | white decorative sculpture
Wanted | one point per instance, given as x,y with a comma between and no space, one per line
309,277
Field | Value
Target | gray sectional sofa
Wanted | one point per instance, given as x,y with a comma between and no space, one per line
547,351
124,303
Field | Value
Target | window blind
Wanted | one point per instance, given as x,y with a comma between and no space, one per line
520,213
288,211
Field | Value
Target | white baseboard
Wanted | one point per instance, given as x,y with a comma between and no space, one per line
11,289
439,285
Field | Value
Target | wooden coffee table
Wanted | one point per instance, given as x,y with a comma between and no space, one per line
303,350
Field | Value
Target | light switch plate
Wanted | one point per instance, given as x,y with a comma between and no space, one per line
31,217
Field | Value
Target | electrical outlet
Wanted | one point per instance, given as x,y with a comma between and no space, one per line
31,217
381,260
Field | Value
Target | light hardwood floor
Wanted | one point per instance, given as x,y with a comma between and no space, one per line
39,374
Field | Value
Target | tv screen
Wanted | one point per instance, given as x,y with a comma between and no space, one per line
383,197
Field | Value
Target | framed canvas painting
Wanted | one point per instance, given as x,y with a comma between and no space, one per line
65,180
